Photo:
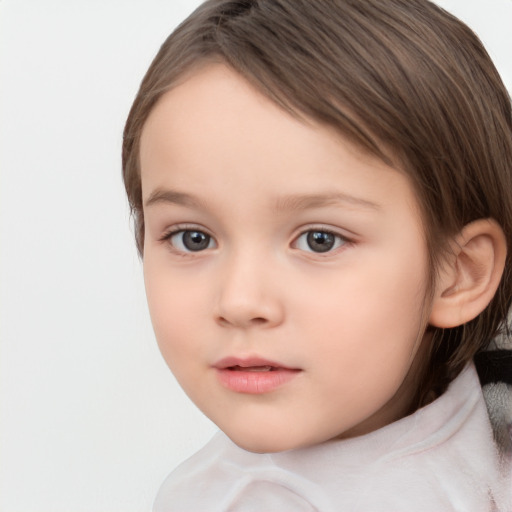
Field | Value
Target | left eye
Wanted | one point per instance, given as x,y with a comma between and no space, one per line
191,240
317,240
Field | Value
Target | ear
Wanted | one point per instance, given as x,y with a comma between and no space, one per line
470,274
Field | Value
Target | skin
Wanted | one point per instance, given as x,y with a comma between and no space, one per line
220,158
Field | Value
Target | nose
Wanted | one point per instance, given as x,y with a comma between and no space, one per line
250,294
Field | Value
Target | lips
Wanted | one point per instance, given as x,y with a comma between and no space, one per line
236,363
253,375
266,368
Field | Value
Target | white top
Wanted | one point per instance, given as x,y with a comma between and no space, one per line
441,458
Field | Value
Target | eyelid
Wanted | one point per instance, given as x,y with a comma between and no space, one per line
346,239
178,228
342,233
336,232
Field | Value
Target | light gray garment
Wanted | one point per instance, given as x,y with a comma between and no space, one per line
441,458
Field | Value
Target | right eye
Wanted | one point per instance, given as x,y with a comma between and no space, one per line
190,240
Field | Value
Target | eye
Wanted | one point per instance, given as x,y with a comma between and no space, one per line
318,240
190,240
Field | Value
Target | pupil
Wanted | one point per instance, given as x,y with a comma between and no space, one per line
320,241
195,240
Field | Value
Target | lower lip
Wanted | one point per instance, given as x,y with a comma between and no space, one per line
254,382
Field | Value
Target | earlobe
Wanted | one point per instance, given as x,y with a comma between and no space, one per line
470,275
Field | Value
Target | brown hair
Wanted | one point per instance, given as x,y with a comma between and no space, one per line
397,77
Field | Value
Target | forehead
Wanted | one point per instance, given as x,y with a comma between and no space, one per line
215,128
212,97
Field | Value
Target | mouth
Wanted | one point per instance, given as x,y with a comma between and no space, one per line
266,368
254,375
250,364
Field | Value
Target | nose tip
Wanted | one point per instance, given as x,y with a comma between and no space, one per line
259,312
248,299
249,287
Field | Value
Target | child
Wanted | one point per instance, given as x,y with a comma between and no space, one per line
322,194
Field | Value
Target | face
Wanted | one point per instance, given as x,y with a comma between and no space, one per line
285,269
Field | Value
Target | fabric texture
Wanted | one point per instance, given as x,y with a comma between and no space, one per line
441,458
495,371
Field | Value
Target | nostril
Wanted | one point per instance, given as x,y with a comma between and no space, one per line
223,321
259,320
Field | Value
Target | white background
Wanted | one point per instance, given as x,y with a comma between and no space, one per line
90,417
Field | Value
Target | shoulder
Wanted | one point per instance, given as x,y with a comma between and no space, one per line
443,456
221,476
197,480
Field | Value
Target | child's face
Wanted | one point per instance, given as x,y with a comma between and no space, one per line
274,243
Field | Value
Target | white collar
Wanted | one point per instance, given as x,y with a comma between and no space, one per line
442,457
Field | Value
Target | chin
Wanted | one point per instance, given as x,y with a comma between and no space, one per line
261,445
267,441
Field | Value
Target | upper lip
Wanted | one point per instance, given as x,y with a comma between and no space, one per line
248,362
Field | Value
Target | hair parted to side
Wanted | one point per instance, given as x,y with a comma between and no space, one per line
402,79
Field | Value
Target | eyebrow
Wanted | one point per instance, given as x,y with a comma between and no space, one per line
295,202
171,196
307,201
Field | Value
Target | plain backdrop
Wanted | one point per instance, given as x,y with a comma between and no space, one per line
90,417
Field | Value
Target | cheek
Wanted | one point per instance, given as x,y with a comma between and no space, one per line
366,355
174,307
373,316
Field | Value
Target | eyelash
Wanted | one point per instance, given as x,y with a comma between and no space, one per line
168,235
339,239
